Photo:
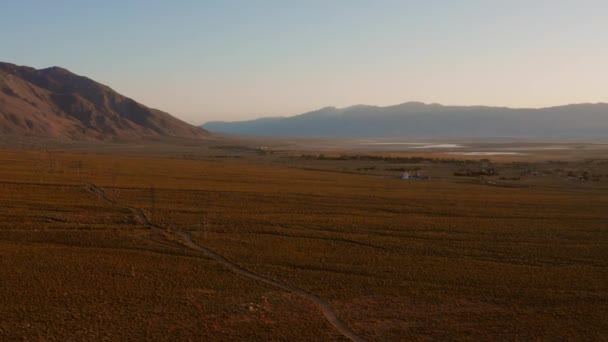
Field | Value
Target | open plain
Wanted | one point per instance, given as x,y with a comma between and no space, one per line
252,242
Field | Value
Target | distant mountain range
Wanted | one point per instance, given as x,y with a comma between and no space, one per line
56,103
419,120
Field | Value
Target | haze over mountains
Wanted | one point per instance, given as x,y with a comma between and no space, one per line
56,103
419,120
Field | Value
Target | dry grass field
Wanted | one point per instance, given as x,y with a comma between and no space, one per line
450,258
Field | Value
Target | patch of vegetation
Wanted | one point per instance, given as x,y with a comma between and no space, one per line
476,173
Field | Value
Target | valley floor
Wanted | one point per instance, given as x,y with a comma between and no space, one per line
104,247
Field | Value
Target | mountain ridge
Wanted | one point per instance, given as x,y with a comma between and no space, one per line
421,120
56,103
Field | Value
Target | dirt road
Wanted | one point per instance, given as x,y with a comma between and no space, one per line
185,238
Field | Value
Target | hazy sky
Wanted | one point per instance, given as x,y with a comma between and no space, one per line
229,60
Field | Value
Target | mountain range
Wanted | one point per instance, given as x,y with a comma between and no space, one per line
56,103
420,120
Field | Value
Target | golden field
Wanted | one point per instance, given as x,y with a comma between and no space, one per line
397,260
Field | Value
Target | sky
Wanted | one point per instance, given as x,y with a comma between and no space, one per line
242,59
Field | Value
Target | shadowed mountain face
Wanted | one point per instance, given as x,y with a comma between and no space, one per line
56,103
419,120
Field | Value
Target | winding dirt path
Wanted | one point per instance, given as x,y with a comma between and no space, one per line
189,242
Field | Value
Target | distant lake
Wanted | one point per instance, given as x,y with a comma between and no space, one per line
392,143
440,146
476,153
414,144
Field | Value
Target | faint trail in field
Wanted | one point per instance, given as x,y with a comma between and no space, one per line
139,213
328,312
189,242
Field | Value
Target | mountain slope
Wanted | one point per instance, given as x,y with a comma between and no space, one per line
56,103
419,120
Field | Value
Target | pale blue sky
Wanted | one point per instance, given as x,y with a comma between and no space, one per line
209,60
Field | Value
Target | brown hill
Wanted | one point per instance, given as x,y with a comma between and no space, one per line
56,103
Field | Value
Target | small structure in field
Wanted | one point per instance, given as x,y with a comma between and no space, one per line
416,176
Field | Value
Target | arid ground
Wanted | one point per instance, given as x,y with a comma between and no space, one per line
266,241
